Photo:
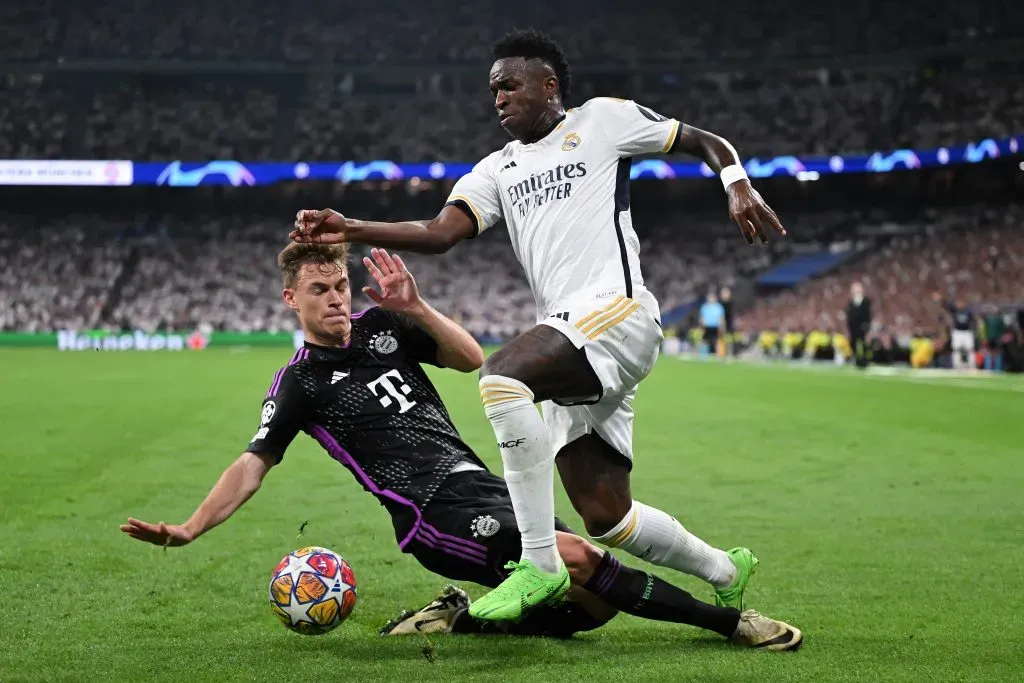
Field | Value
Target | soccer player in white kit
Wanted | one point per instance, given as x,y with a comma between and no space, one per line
562,187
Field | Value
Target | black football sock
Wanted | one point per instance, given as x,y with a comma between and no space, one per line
644,595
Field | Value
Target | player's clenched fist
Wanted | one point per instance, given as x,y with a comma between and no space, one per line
325,226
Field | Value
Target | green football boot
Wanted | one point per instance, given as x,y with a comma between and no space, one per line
525,588
732,595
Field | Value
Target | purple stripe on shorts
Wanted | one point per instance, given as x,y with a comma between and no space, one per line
427,532
336,451
438,545
422,531
470,546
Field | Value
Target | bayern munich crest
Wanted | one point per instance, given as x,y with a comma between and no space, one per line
485,526
384,342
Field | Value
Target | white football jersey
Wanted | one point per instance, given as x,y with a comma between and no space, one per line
565,200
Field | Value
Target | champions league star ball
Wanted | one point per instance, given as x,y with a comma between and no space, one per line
312,590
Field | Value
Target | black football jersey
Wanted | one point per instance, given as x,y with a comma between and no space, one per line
858,317
963,319
373,409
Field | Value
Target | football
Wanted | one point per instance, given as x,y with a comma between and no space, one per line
312,590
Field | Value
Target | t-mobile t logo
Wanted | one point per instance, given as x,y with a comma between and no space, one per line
390,391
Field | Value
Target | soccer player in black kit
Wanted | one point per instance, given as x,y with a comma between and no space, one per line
357,388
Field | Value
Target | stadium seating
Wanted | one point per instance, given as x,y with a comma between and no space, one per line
202,117
393,31
251,108
218,272
977,255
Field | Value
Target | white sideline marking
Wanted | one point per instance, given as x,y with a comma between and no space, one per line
930,376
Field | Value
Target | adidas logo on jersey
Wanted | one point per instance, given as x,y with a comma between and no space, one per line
507,166
338,376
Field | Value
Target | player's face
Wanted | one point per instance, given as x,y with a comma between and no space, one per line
525,92
323,301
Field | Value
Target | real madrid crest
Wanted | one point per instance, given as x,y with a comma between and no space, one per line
485,526
384,342
571,142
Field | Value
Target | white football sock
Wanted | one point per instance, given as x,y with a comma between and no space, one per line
652,535
529,465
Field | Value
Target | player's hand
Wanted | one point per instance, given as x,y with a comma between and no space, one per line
325,226
750,212
398,291
158,534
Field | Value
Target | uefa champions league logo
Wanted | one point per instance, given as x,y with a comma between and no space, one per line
236,174
269,408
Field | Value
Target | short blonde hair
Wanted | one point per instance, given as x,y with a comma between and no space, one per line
297,254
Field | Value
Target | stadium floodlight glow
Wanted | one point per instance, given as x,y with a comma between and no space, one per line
807,176
1021,165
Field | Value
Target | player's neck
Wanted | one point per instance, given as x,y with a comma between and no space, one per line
341,342
546,123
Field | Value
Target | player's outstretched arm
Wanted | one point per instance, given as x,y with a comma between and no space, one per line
456,347
235,486
746,207
436,236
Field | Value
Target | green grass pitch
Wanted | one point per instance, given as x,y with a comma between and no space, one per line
887,515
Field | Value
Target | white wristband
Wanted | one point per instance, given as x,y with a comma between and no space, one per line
732,174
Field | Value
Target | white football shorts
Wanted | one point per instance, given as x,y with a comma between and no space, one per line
963,340
622,339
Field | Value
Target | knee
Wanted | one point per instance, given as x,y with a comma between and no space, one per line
602,514
603,521
581,557
606,515
499,363
501,394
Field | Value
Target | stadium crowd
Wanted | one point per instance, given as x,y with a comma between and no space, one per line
393,31
165,118
975,257
219,273
214,272
438,110
303,79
